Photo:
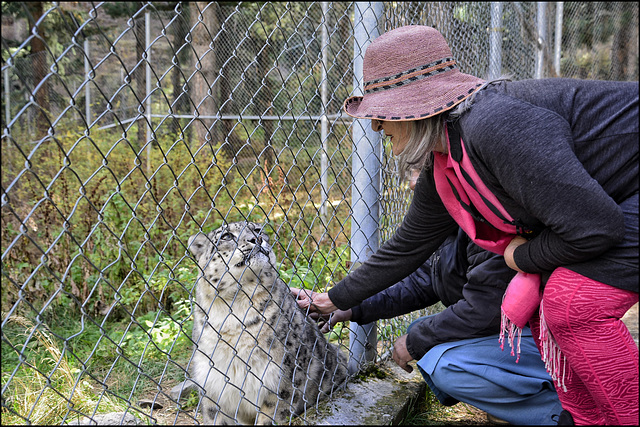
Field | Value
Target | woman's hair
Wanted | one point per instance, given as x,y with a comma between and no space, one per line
426,134
424,137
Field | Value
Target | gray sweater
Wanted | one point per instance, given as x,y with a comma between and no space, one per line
561,155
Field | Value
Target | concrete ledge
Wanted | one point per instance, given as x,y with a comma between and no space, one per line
382,397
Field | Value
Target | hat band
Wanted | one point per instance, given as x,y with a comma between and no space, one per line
410,76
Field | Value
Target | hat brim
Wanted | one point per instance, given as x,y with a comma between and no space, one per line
414,101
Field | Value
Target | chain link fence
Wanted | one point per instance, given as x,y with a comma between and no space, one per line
130,126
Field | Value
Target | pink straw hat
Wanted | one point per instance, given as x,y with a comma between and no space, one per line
410,74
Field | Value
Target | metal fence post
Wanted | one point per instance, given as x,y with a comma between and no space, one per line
88,75
324,122
495,41
558,38
7,97
366,162
541,25
147,57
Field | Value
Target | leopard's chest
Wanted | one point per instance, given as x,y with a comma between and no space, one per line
237,344
244,322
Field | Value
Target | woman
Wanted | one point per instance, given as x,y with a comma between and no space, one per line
559,160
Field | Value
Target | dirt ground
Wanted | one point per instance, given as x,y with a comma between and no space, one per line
166,413
460,414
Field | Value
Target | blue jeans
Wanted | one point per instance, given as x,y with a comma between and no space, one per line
477,372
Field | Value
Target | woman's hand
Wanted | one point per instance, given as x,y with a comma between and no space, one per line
508,253
314,301
327,322
401,355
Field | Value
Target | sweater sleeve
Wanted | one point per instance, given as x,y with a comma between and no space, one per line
527,153
425,226
412,293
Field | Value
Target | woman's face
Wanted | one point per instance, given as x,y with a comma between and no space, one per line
397,131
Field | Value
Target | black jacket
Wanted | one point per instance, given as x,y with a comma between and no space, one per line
468,280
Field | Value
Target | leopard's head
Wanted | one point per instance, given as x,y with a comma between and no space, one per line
239,248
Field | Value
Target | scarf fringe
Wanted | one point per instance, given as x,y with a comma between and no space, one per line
554,360
510,328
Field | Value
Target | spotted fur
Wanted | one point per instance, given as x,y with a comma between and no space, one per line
258,358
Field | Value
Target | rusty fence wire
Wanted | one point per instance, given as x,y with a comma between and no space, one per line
129,126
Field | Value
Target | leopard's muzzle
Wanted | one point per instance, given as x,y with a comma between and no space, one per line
260,247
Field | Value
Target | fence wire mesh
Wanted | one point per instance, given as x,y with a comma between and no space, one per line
130,126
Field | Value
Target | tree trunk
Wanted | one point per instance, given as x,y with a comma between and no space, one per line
623,40
39,66
180,30
139,77
227,67
205,26
264,101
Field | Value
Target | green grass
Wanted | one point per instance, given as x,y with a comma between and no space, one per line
423,411
68,363
45,382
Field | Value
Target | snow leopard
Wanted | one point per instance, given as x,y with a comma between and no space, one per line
258,358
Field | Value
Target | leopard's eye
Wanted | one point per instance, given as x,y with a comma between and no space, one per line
226,236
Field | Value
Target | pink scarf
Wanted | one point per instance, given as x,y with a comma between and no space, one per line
479,213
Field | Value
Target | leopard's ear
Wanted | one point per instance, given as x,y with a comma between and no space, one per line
198,243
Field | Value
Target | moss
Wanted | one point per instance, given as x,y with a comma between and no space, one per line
372,371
